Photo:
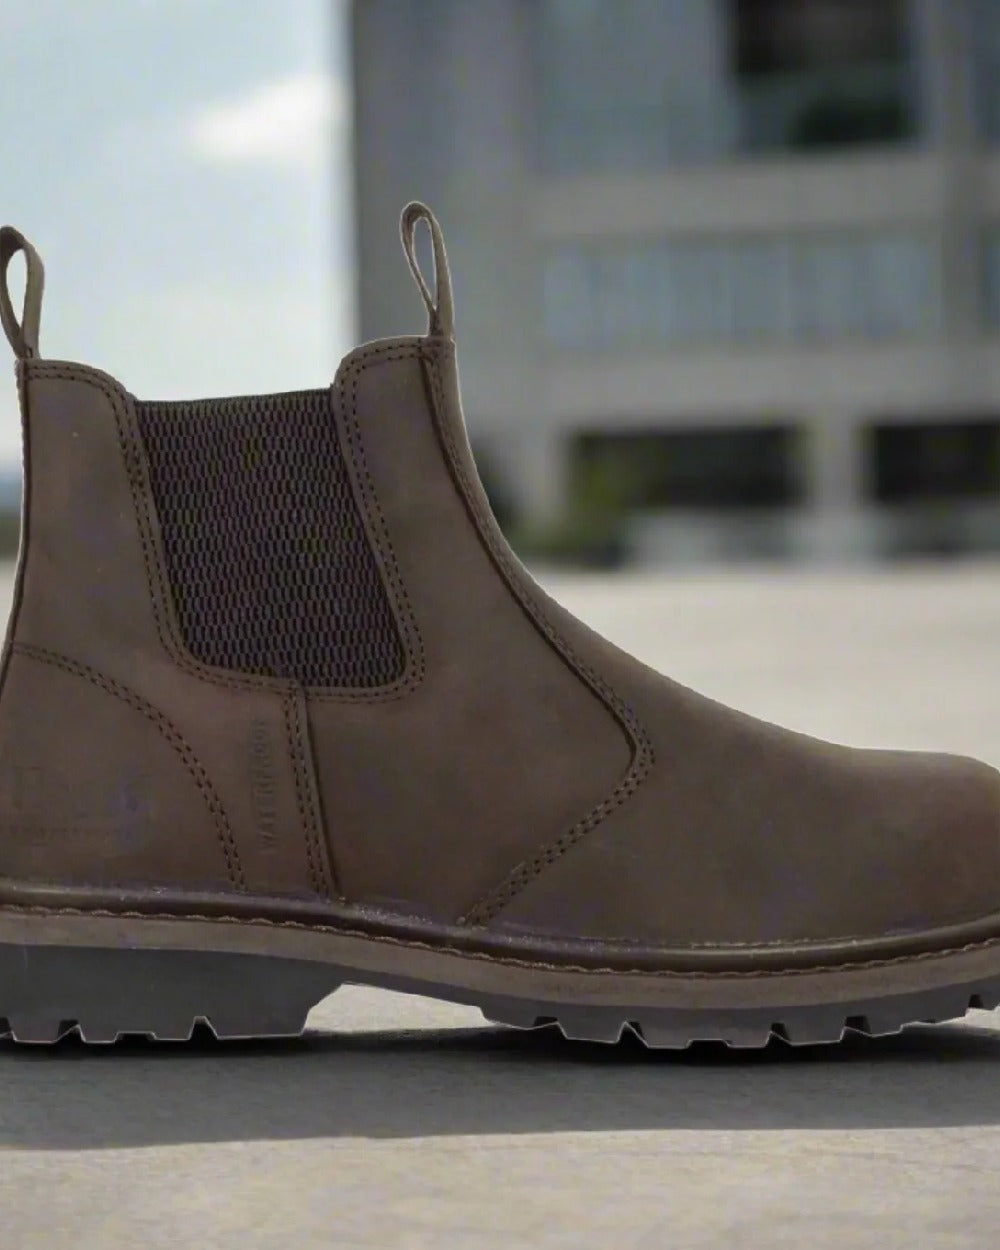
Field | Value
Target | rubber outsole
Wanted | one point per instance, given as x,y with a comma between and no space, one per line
101,995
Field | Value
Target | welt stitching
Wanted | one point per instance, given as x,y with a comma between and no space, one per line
293,735
132,457
170,734
754,974
519,877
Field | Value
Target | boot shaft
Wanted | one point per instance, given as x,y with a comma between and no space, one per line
252,610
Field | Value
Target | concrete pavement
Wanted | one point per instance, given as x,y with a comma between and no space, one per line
405,1123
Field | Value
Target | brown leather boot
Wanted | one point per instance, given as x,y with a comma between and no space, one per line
280,709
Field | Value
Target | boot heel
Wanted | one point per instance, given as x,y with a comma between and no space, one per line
48,992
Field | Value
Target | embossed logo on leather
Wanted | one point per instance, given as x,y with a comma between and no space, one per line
263,784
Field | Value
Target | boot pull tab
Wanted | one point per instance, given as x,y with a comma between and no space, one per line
440,307
22,335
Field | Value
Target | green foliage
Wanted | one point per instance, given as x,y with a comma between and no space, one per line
592,534
578,542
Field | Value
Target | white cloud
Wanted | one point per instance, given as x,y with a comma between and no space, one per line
264,338
288,122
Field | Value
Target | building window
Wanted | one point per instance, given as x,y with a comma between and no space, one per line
991,279
760,289
694,468
902,282
644,84
878,286
985,42
629,84
936,461
830,73
804,288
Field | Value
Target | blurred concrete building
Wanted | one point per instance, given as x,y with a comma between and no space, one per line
735,263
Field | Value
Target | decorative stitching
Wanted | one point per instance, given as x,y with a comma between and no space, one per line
643,756
378,531
357,365
507,960
170,734
307,816
161,602
133,463
133,457
288,710
264,547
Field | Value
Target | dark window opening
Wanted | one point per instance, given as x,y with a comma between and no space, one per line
776,36
935,461
827,73
699,469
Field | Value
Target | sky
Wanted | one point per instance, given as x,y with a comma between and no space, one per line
182,167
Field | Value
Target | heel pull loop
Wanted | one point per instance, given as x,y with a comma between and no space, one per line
22,335
440,306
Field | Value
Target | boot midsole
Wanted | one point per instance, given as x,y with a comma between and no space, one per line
464,975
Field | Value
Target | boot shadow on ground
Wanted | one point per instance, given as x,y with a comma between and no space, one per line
392,1083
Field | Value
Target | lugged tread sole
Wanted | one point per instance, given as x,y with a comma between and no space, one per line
754,1029
50,992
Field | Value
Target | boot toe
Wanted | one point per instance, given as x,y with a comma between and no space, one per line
836,846
945,813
